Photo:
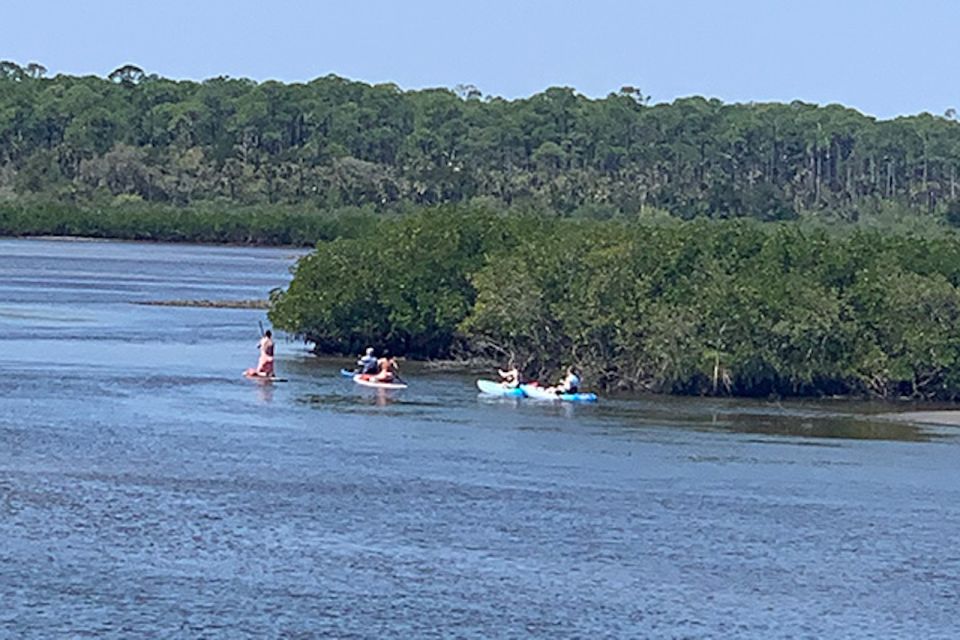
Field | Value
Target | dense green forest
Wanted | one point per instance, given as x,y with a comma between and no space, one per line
93,142
692,307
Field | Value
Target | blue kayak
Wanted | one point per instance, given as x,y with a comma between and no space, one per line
496,389
346,373
540,393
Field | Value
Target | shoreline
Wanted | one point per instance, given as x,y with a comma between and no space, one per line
198,243
885,407
936,417
208,304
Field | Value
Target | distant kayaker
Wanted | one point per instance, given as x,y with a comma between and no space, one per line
265,363
387,368
368,362
570,383
510,377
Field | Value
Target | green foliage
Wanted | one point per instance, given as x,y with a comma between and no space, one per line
405,285
128,217
332,142
698,307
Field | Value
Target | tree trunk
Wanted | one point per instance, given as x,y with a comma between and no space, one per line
817,171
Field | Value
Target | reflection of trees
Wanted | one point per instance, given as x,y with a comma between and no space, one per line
852,428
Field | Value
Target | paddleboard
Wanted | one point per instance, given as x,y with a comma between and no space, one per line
364,380
265,378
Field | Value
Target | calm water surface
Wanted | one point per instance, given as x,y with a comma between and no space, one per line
147,490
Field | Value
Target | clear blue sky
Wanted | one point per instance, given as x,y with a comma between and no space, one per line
882,57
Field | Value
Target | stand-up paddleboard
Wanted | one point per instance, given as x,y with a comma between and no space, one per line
367,381
540,393
492,388
260,378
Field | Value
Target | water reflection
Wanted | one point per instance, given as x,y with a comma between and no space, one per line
376,398
265,392
547,408
796,420
502,401
853,428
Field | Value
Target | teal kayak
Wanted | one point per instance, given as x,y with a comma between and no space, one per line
539,393
492,388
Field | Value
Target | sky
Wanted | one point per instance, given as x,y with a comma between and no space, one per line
881,57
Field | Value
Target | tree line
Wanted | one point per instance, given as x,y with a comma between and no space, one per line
736,307
243,224
332,142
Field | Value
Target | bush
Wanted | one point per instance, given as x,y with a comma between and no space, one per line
695,307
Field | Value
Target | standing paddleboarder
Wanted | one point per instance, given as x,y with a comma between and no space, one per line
265,363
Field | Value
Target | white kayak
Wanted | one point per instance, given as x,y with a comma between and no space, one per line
540,393
492,388
368,381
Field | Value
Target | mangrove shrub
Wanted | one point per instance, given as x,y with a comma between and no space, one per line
696,307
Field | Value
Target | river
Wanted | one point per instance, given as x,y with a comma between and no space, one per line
148,491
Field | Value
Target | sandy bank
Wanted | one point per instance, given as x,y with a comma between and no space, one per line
947,418
210,304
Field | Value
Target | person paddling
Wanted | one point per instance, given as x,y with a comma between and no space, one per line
570,383
265,363
388,370
368,362
510,378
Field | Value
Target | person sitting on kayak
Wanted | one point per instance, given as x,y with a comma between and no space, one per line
510,378
265,363
368,362
570,383
388,370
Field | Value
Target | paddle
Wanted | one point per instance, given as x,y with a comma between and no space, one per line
396,375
